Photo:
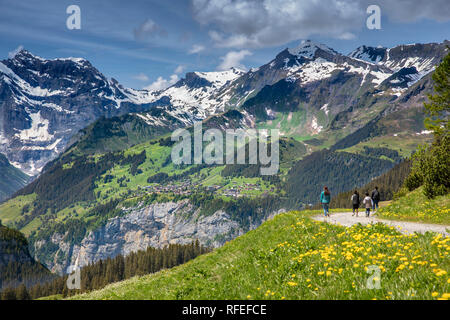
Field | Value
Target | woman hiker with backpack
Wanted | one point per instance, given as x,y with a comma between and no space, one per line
325,198
355,202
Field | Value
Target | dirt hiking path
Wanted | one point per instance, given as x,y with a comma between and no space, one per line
346,219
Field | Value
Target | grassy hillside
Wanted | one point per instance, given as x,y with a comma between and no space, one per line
404,143
414,206
120,162
295,257
77,186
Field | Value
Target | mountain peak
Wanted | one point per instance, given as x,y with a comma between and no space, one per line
368,54
308,49
24,54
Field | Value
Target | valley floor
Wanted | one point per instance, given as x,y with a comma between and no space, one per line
346,219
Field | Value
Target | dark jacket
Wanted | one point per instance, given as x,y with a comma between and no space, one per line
355,198
376,195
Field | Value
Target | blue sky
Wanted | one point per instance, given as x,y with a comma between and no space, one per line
138,42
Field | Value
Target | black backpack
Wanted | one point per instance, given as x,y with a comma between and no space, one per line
355,198
375,195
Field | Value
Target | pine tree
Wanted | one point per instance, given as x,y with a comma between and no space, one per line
439,106
431,166
22,293
8,294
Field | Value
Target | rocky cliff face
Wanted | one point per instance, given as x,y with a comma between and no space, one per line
43,103
156,225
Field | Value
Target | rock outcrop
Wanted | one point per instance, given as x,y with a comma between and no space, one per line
155,225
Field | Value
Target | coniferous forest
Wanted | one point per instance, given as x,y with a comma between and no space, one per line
99,274
388,184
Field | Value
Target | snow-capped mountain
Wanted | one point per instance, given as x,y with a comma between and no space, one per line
369,54
44,102
321,62
407,63
196,93
423,57
332,90
329,86
307,63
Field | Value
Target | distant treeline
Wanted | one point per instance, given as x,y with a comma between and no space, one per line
388,184
337,170
243,210
16,264
97,275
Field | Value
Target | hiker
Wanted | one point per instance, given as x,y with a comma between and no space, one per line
355,202
325,198
368,202
375,199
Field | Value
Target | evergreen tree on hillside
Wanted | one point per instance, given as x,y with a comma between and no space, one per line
8,294
22,293
438,108
431,164
97,275
388,183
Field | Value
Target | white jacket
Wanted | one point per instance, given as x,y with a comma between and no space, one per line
368,202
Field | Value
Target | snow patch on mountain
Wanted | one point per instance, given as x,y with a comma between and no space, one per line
308,48
202,98
38,130
378,76
320,69
417,76
422,65
25,86
220,78
313,71
325,108
316,128
370,55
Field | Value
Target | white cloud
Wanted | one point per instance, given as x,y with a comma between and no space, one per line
413,10
347,36
265,23
141,77
13,53
196,48
233,59
161,83
179,69
149,29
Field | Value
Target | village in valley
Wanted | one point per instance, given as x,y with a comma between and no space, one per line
187,187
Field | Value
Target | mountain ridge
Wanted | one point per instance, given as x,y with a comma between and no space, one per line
33,87
328,101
